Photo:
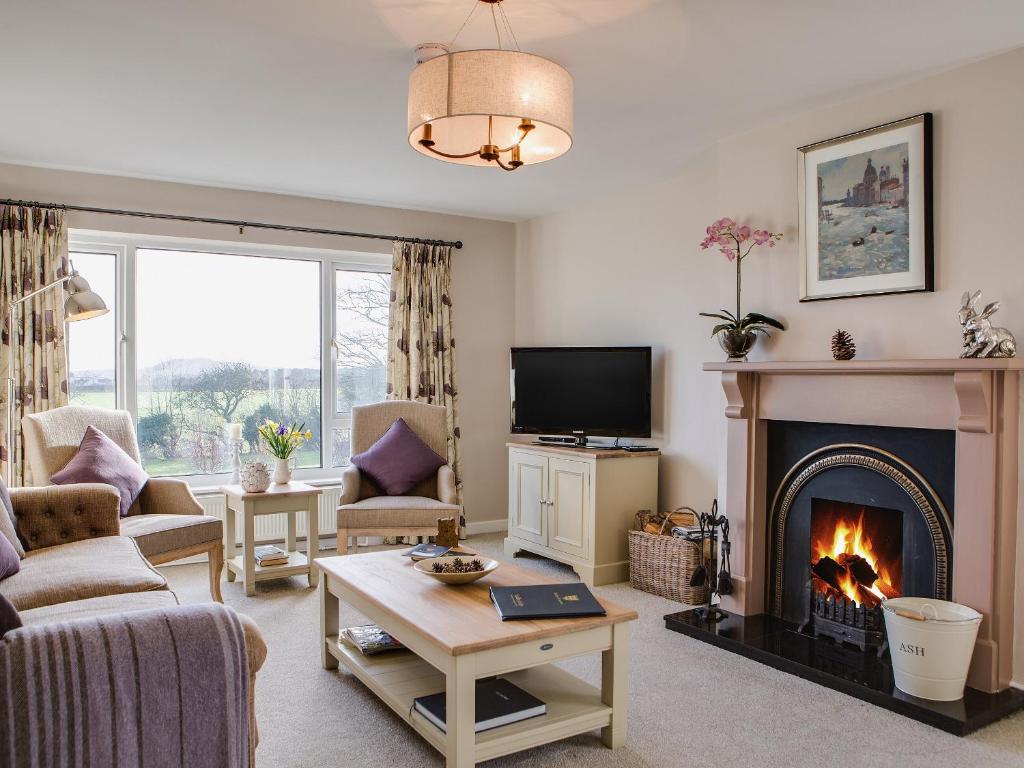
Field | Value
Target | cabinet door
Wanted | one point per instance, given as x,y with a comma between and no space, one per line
569,508
527,494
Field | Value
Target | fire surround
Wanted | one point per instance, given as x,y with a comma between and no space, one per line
979,399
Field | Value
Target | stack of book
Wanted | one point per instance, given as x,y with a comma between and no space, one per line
498,702
270,555
369,639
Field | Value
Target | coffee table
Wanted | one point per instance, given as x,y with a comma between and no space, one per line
455,636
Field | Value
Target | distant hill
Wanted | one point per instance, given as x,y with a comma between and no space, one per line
166,372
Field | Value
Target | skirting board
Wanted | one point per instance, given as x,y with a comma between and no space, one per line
474,527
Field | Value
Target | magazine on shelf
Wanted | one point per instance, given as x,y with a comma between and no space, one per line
369,639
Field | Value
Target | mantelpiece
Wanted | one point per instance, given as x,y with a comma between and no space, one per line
978,399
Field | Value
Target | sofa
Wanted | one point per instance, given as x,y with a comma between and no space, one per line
75,567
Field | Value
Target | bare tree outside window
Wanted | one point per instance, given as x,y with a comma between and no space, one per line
362,304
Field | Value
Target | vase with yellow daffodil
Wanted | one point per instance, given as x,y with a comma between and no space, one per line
282,440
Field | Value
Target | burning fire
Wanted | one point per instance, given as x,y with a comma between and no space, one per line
851,550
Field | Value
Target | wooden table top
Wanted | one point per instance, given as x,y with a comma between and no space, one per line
458,619
276,489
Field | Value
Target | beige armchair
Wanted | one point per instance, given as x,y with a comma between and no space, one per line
363,510
166,521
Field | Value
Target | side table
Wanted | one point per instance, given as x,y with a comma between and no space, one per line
290,498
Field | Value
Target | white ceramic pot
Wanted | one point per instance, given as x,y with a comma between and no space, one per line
931,643
255,477
282,472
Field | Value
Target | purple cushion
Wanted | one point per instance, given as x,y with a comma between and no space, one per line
399,460
10,563
100,460
9,618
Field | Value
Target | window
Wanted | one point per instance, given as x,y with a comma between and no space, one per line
223,339
219,334
361,303
92,345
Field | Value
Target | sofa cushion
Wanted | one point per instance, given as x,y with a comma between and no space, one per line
109,565
8,522
99,606
9,616
10,563
399,460
100,460
159,534
395,512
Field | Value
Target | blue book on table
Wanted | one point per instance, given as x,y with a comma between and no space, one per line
545,601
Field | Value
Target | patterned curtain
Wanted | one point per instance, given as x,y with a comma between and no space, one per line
33,253
421,347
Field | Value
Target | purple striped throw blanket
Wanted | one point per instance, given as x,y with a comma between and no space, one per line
155,689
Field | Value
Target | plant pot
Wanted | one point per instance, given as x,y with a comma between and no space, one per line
282,472
255,478
737,343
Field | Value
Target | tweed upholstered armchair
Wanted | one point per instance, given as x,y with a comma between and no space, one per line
363,510
166,521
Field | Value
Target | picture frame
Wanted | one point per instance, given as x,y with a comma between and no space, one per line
865,220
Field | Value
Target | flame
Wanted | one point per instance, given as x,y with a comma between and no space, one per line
849,537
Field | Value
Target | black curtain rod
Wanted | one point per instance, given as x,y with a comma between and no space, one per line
232,223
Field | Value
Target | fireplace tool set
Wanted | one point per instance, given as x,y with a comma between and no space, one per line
714,570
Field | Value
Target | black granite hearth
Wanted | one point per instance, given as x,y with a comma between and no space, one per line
777,643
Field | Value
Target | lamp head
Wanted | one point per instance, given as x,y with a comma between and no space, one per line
82,303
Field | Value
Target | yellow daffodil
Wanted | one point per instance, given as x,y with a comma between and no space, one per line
309,434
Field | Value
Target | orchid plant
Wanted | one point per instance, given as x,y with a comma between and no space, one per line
736,241
282,439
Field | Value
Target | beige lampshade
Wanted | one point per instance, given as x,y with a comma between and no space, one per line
457,92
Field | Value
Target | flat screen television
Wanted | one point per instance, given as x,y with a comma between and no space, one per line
582,391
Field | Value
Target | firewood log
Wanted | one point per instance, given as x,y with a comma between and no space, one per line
886,589
828,570
860,570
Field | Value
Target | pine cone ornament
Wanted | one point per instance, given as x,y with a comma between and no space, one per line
843,347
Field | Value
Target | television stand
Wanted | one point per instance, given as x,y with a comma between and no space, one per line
575,505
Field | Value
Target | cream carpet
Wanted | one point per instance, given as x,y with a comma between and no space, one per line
690,704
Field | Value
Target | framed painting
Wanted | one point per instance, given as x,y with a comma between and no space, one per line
866,212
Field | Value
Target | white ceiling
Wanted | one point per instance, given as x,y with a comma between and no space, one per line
308,96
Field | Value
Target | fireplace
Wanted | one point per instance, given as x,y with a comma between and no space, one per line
858,514
848,482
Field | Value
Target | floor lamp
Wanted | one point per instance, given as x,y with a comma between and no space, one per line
81,304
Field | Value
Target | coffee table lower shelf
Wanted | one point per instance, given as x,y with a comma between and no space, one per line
398,677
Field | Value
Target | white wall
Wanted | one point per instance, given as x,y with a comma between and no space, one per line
482,274
627,268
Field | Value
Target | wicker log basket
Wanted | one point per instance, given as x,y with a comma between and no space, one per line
661,564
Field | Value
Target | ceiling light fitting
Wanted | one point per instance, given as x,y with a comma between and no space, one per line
491,106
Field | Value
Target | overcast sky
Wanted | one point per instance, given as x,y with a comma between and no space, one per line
259,310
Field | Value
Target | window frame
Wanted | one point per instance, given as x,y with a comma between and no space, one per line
124,247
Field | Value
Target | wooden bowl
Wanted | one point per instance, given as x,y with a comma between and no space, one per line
426,566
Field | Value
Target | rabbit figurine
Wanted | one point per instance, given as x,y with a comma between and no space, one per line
981,338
